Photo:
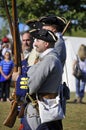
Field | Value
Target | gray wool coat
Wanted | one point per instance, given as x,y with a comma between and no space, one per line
61,49
46,75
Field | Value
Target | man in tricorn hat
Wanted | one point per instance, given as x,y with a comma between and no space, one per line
56,24
44,79
34,24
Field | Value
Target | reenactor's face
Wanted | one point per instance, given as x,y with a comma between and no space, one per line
40,45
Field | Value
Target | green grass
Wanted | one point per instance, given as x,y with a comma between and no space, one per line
4,110
75,115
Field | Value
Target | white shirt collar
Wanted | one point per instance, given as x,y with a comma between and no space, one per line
45,52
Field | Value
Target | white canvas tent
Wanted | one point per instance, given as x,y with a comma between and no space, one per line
72,46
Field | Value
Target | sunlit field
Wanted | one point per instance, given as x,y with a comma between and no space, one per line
75,115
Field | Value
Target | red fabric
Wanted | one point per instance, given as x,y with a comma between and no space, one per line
21,127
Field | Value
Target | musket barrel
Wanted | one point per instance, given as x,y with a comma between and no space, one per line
16,37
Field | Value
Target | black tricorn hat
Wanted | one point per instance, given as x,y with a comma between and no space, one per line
45,35
34,24
54,20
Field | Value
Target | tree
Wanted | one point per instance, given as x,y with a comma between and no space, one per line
33,9
4,30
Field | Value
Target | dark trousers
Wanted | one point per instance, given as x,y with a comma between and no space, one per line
54,125
5,89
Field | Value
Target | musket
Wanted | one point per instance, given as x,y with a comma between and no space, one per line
16,39
11,118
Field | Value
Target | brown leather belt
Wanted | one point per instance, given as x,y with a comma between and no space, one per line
47,95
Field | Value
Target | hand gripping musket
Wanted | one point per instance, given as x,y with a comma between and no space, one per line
11,118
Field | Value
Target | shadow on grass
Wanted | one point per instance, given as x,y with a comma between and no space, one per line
72,102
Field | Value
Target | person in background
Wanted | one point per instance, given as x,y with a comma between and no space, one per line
6,70
5,47
56,25
80,83
27,43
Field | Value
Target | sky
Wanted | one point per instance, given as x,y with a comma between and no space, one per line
22,26
1,22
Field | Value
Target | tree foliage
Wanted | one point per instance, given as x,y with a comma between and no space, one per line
33,9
